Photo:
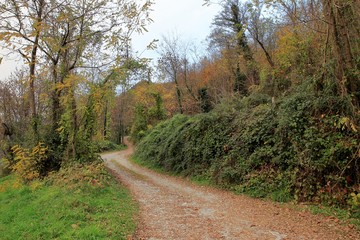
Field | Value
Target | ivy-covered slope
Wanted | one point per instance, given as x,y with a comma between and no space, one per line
303,147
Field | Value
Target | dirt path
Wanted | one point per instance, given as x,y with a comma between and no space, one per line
173,208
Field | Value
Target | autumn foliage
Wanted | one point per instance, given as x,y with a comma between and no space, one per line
28,164
285,123
271,108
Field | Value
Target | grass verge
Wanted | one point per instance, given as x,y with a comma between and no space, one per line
198,180
341,214
80,202
149,165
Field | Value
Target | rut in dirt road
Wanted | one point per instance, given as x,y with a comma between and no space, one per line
173,208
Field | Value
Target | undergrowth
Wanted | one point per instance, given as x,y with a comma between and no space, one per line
105,145
78,202
303,147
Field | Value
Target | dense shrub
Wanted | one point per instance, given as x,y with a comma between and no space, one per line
302,147
106,145
28,164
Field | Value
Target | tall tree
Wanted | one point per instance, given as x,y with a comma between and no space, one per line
229,32
60,35
20,31
343,28
337,24
261,28
170,64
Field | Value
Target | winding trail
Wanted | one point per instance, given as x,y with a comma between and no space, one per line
174,208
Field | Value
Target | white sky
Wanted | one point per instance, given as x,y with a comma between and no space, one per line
7,65
186,18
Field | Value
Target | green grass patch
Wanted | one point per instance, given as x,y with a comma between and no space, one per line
198,180
80,202
342,214
150,165
202,181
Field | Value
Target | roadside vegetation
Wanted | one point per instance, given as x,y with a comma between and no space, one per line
78,202
288,151
270,109
56,115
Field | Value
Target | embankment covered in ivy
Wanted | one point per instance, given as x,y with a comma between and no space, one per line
301,147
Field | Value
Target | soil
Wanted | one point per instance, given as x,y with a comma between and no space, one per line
174,208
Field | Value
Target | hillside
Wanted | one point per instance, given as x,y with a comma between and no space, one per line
301,147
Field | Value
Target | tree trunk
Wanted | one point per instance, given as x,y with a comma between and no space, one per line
32,99
105,120
244,49
178,97
55,100
75,127
343,25
268,57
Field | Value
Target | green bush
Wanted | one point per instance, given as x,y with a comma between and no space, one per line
28,164
106,145
303,147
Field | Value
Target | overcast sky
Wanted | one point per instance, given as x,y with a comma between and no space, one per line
186,18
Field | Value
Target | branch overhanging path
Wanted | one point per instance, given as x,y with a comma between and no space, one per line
173,208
